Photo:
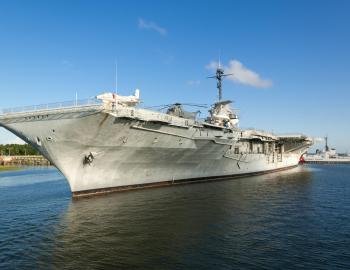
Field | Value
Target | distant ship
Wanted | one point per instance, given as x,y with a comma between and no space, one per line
111,144
327,155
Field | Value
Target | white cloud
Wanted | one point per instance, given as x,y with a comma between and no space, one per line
242,74
151,26
193,82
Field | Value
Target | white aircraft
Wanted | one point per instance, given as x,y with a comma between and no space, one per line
123,100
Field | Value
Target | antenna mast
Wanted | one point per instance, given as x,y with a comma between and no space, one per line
116,76
326,139
220,73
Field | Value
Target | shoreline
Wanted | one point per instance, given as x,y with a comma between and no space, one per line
9,168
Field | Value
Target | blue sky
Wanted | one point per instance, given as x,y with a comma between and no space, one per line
292,56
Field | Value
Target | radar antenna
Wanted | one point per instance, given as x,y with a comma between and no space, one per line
220,73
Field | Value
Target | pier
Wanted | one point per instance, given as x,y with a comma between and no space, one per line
337,161
33,160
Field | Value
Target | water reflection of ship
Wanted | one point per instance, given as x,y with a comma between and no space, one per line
158,226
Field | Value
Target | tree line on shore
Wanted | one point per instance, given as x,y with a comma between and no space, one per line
17,150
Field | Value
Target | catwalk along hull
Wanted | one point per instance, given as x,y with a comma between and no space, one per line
101,150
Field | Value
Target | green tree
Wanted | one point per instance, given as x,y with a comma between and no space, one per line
17,150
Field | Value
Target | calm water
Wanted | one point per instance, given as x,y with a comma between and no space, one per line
296,219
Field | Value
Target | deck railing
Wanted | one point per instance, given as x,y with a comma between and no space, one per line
52,106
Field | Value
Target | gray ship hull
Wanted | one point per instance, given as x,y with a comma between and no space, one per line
100,150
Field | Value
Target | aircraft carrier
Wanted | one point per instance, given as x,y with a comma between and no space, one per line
110,143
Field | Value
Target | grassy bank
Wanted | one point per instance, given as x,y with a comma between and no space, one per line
9,168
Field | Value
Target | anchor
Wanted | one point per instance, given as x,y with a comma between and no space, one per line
88,159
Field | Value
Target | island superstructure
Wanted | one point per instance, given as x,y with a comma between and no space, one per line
110,143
